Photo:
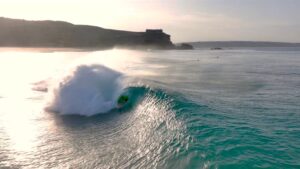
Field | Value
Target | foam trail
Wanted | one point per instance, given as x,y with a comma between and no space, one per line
88,90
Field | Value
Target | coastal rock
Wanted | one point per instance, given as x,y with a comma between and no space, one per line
185,46
216,48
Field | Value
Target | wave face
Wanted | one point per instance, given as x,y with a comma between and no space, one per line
87,90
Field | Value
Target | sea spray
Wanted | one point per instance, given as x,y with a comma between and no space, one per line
87,90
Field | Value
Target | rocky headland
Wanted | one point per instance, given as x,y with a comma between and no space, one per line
24,33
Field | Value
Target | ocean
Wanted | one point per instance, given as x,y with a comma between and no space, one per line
233,108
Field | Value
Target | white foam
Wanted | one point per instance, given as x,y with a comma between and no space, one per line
87,90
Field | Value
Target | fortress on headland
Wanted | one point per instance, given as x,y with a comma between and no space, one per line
157,36
23,33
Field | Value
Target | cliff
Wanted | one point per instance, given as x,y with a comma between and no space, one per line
23,33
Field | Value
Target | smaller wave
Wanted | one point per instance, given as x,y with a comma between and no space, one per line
87,90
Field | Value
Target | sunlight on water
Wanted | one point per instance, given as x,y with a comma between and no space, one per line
24,70
21,133
20,70
19,127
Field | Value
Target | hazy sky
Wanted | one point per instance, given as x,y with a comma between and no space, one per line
185,20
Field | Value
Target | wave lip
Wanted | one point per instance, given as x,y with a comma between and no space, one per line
88,90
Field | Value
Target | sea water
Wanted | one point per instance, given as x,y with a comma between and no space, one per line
233,108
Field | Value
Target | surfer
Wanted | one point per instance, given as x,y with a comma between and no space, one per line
122,100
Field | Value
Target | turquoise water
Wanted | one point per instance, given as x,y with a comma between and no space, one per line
187,109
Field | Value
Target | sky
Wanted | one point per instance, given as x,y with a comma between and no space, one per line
184,20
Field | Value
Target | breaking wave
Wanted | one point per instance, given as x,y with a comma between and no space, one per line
87,90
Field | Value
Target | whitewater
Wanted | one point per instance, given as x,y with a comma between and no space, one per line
88,90
233,108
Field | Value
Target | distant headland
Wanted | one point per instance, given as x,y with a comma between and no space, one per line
219,45
23,33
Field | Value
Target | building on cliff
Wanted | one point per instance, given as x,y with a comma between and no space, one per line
157,37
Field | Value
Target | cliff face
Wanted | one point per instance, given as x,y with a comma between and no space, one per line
158,37
22,33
